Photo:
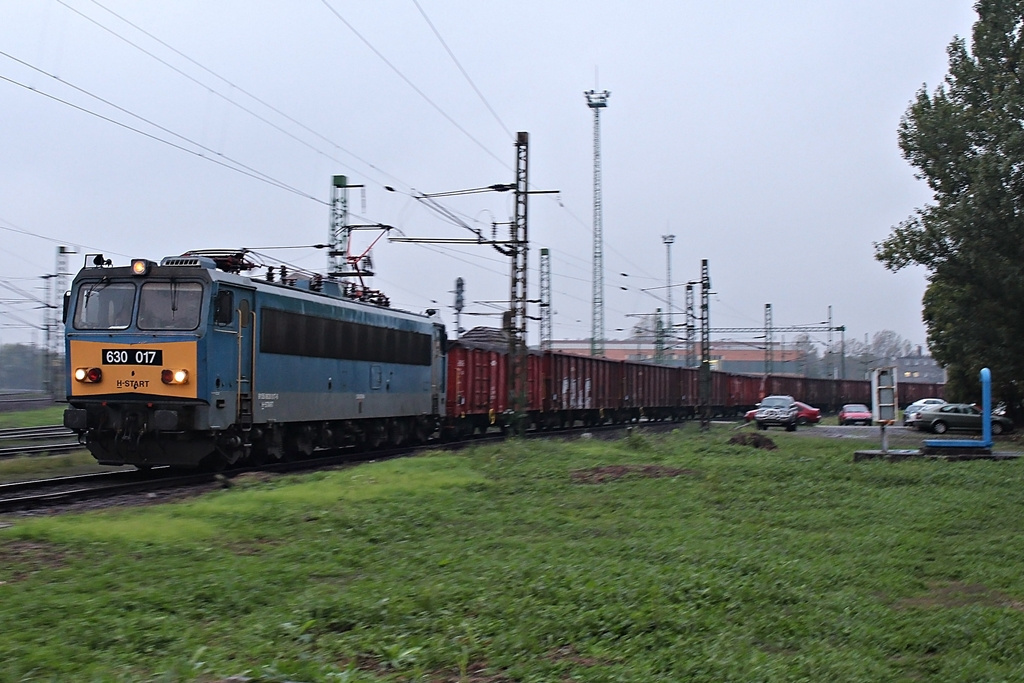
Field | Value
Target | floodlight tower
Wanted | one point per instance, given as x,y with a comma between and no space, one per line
597,101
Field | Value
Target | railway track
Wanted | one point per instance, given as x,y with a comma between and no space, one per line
17,402
49,439
44,432
50,492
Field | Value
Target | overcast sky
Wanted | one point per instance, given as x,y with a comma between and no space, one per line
761,134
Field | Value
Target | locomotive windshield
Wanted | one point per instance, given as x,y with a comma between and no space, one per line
170,305
104,306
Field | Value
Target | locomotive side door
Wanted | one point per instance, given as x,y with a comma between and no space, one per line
231,357
246,352
438,370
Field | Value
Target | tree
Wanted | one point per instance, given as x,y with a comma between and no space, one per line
888,346
966,140
810,362
22,367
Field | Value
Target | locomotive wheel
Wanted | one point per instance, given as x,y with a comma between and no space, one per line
421,431
395,433
257,456
214,462
375,436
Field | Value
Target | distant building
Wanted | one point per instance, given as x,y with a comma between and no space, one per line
918,367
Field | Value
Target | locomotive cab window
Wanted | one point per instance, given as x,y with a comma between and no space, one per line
224,307
170,305
104,305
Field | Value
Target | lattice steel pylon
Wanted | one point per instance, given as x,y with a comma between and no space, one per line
659,337
460,302
340,263
545,299
597,101
705,346
340,233
517,376
691,352
54,319
59,287
769,341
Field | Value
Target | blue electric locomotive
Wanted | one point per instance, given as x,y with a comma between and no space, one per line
190,362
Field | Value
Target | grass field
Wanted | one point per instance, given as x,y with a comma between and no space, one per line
651,558
41,417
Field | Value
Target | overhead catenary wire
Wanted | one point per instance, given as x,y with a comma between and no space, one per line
234,86
277,111
462,70
295,121
416,88
256,175
213,90
243,168
438,207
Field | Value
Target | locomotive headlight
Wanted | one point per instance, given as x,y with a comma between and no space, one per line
174,376
140,266
88,375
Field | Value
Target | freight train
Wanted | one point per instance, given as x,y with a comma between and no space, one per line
190,362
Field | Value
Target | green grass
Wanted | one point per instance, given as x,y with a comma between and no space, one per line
30,466
793,564
39,417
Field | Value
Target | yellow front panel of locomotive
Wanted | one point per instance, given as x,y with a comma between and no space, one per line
130,368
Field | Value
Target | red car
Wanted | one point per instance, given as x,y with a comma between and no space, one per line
855,413
806,415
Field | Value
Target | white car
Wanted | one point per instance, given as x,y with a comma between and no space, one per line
912,411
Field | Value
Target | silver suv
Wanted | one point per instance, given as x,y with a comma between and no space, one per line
777,411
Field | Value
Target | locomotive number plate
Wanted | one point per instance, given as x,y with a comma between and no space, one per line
132,357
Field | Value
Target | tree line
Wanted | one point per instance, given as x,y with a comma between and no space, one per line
965,139
25,367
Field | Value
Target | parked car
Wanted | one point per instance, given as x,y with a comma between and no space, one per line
960,416
777,411
806,415
855,413
911,412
